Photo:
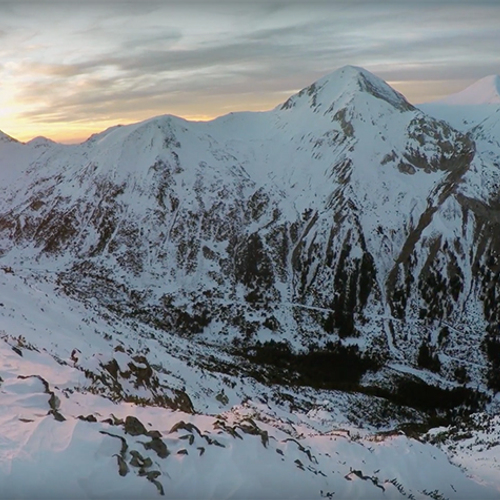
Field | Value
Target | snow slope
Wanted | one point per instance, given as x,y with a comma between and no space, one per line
468,108
484,91
288,266
62,439
248,220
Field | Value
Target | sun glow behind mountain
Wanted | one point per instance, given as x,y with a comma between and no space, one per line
131,263
68,73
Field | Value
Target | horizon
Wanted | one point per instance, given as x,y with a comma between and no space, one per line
77,141
69,71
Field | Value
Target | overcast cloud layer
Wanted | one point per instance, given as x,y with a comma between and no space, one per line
67,70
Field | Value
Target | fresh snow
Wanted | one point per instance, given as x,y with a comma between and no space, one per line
484,91
41,457
469,107
337,143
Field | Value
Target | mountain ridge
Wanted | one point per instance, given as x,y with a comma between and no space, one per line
483,91
354,164
347,79
305,288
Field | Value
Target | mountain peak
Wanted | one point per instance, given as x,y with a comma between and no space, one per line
353,73
484,91
345,83
6,138
40,141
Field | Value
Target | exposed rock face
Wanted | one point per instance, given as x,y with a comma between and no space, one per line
345,213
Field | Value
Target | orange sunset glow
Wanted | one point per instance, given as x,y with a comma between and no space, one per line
68,73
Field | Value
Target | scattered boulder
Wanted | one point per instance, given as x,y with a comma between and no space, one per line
112,420
57,416
88,418
158,486
74,355
222,398
153,474
134,426
184,426
158,446
139,461
154,434
188,436
123,469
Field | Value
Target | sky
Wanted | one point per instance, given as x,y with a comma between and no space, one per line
70,69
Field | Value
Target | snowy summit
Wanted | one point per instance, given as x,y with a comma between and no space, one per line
297,303
484,91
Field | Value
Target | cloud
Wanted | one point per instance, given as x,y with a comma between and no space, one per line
115,60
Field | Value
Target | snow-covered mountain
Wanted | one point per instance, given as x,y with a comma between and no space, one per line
469,107
329,263
484,91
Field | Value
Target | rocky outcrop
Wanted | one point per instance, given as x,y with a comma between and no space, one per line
345,214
